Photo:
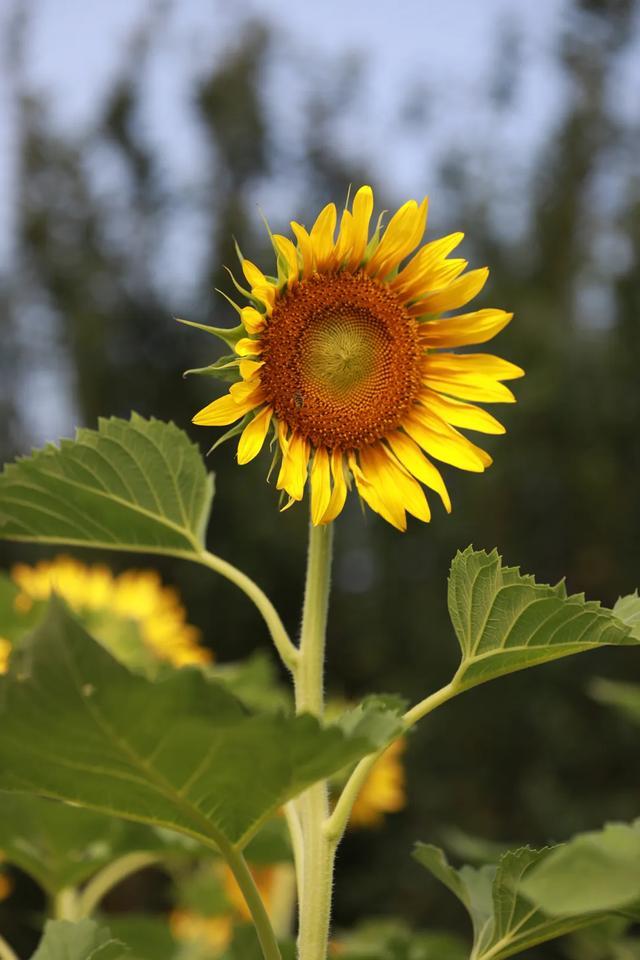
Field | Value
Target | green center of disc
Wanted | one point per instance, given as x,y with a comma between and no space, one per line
340,352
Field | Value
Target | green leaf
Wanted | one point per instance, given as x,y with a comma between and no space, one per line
182,753
60,845
85,940
504,920
130,485
627,609
596,871
14,621
148,937
392,939
505,621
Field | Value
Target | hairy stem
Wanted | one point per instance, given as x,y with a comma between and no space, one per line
251,894
313,805
110,876
289,654
64,905
336,824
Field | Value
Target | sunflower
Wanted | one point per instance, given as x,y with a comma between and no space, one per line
109,603
384,789
345,358
215,931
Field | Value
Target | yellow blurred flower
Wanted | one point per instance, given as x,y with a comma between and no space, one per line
346,358
216,932
6,883
384,789
135,596
5,650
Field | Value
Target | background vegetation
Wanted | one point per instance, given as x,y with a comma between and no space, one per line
86,319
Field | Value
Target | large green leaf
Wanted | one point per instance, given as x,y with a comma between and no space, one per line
504,920
182,753
505,621
85,940
130,485
627,609
62,846
595,871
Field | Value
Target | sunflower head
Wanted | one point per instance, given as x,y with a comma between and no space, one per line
138,619
345,359
384,789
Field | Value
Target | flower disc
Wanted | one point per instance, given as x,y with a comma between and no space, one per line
341,360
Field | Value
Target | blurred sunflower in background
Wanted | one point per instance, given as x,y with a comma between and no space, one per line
345,358
384,790
141,621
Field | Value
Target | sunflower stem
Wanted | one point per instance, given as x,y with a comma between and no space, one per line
336,824
110,876
319,852
64,904
289,654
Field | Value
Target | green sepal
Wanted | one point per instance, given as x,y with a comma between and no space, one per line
224,368
230,335
245,293
232,432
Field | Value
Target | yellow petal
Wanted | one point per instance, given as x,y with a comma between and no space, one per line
396,490
266,294
408,490
472,365
455,295
249,368
322,235
413,459
293,471
440,275
320,478
339,492
453,449
245,390
253,435
345,237
254,276
402,235
422,265
252,319
461,414
290,256
370,493
476,327
305,247
430,419
479,389
225,410
248,348
362,209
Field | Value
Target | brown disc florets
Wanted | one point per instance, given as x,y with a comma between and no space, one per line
340,360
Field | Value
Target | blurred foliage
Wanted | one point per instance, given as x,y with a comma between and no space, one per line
85,304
